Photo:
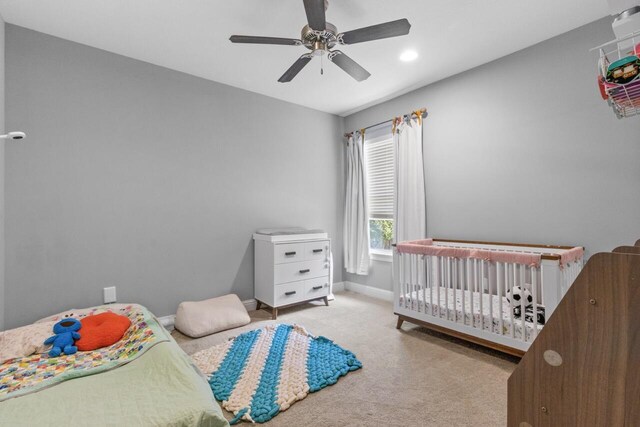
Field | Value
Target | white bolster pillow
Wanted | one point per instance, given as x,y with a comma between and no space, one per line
199,318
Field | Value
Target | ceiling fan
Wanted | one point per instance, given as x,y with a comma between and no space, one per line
319,36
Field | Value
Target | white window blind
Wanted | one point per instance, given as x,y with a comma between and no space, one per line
378,157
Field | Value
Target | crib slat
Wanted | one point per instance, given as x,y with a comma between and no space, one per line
474,293
447,283
523,307
448,295
463,281
511,305
455,290
407,276
534,293
414,281
401,276
524,317
425,271
491,328
481,294
407,266
440,263
419,281
500,288
431,276
470,289
418,284
474,271
408,280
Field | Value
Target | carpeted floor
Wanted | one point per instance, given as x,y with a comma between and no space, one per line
412,377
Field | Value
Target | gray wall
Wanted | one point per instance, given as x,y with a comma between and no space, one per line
149,179
523,149
2,130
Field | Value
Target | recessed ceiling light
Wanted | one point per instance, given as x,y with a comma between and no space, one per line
408,55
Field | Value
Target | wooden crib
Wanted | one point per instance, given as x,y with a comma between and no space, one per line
469,289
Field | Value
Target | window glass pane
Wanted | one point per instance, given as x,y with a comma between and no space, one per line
379,164
378,156
380,234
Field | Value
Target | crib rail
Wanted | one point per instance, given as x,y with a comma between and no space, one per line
479,297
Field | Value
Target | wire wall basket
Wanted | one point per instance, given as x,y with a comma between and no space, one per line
619,74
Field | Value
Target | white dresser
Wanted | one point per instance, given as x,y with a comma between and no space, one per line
291,267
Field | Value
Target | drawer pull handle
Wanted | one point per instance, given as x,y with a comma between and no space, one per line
289,253
290,293
315,288
315,251
304,271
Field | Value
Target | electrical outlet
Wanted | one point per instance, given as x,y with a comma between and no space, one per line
109,294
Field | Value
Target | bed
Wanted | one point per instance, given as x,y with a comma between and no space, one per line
143,380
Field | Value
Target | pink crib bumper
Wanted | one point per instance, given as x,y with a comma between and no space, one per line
571,255
426,247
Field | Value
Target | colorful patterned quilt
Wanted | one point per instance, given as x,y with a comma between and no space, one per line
262,372
25,375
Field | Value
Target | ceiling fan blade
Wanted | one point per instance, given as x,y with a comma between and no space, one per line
315,14
264,40
397,28
295,68
350,66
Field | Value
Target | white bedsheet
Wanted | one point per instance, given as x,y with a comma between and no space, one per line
417,300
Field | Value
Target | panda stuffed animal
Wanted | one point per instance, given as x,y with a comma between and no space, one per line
519,297
528,314
517,294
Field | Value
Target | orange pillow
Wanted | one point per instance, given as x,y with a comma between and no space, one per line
101,330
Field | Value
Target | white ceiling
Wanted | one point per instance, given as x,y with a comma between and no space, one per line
450,36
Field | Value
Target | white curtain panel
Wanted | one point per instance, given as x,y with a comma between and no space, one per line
410,217
356,230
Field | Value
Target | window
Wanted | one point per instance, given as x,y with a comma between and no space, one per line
379,161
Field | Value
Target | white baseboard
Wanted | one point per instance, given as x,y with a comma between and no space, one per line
369,291
168,321
338,287
250,304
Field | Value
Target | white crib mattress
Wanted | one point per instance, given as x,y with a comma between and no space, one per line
416,300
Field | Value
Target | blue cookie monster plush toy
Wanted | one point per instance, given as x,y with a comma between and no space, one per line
66,332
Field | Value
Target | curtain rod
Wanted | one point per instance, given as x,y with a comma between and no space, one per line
421,113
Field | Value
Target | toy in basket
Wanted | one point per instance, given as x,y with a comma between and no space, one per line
624,70
619,77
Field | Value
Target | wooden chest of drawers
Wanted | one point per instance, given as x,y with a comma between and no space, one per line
291,269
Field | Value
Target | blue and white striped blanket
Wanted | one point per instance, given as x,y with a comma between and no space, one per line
262,372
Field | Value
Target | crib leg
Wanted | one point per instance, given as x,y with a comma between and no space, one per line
400,321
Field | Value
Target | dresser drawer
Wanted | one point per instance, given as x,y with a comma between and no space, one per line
289,293
294,271
316,250
288,252
316,288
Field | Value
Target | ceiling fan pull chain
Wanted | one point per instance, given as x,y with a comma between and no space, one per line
321,65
